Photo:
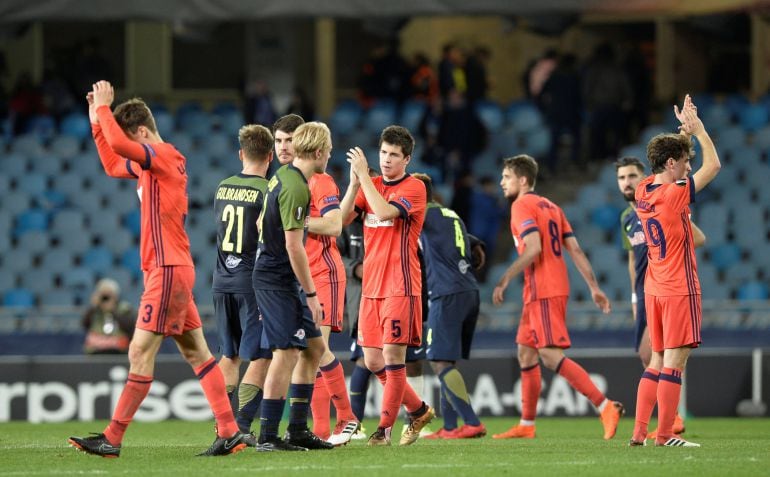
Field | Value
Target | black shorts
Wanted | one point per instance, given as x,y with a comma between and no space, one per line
286,322
451,323
239,327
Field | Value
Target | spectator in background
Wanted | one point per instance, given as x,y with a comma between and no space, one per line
108,321
300,104
607,97
423,81
385,76
258,104
476,74
451,75
90,65
486,214
540,72
58,97
26,101
562,107
639,75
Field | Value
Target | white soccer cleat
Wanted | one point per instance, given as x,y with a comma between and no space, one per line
677,442
343,432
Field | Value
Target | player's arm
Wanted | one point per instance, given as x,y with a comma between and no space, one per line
329,223
348,202
478,252
295,248
632,276
113,164
117,140
532,249
587,272
692,125
360,167
698,237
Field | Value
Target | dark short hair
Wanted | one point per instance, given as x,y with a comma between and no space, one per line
398,136
629,161
134,113
522,165
665,146
425,178
288,123
256,141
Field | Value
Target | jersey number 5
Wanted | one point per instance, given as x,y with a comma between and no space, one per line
229,215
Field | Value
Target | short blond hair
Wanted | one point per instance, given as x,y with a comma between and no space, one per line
311,137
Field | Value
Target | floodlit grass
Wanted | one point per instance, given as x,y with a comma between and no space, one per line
564,446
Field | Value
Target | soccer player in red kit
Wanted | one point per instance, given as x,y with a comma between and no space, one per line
130,147
390,316
542,233
672,291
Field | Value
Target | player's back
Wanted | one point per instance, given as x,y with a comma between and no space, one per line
447,252
237,204
322,253
162,189
547,275
665,214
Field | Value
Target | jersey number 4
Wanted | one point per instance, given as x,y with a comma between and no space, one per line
230,214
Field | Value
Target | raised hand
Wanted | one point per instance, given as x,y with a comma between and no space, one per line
103,93
91,108
358,164
688,116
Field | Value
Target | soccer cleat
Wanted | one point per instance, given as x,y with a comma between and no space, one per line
469,432
412,432
677,429
225,446
442,434
380,437
634,443
305,438
343,432
360,434
676,442
97,444
276,445
249,439
610,417
517,432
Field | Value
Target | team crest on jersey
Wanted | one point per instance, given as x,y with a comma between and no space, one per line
371,220
300,334
463,266
299,215
232,261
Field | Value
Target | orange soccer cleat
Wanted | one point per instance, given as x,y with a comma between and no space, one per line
517,432
610,417
470,432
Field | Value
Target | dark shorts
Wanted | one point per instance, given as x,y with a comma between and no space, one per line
356,352
286,322
417,353
451,323
641,319
239,327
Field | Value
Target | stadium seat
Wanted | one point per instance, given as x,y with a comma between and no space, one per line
99,260
379,116
762,138
753,290
412,112
712,219
197,124
33,219
537,143
491,116
21,203
591,196
525,119
164,121
78,278
724,256
741,272
28,145
606,217
717,116
75,243
57,261
345,118
87,200
66,147
737,104
230,122
18,298
43,126
68,220
651,131
33,184
76,125
35,241
753,117
133,222
57,297
221,146
730,138
37,280
638,151
131,260
182,142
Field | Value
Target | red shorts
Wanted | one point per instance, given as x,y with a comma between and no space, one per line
674,321
393,320
332,298
543,324
167,306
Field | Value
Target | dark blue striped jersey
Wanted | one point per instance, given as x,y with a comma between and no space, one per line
633,239
237,204
447,252
287,203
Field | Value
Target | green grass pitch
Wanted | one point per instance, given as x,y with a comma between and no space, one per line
564,446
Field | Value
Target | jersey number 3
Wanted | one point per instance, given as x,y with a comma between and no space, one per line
230,214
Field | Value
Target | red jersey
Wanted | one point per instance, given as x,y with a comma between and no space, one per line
546,276
391,266
162,189
664,210
322,253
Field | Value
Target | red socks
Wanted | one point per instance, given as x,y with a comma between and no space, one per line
131,398
669,391
334,378
319,405
213,384
530,392
577,377
646,397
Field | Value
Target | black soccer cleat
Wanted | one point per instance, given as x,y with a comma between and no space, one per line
305,438
97,444
223,446
277,444
249,439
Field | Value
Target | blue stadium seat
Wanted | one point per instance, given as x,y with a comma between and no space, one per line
754,290
99,260
133,221
724,256
591,196
32,184
754,117
717,116
537,143
164,121
197,124
731,138
606,217
76,125
28,145
33,219
651,131
57,297
226,107
37,280
35,241
737,104
762,138
525,119
221,146
491,115
182,141
7,280
18,298
230,122
412,112
379,116
345,118
65,147
75,243
131,260
57,261
712,219
741,272
42,126
78,278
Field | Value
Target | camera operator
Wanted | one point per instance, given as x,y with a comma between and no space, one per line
109,322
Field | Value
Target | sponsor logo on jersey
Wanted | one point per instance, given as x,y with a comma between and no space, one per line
527,223
232,261
299,214
637,238
406,202
332,199
372,221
